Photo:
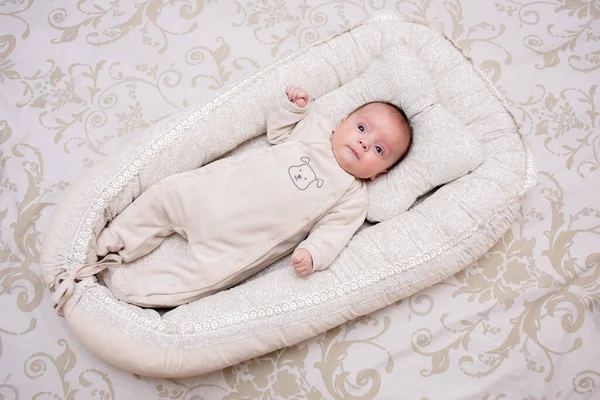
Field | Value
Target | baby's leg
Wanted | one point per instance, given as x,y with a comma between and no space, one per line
138,229
167,284
173,208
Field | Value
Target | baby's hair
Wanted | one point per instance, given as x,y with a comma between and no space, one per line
403,119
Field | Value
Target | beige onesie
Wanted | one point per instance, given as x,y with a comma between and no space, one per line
239,214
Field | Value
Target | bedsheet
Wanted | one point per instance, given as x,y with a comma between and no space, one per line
76,78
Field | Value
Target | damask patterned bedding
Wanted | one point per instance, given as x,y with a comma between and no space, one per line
523,322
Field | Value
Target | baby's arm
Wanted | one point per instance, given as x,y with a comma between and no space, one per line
289,109
334,230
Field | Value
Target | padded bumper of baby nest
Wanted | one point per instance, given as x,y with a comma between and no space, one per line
382,264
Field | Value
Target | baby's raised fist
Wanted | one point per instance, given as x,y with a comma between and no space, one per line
302,262
297,95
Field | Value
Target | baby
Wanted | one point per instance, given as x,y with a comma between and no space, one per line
307,194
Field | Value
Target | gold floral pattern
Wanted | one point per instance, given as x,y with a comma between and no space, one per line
9,12
77,78
77,101
19,276
584,20
41,364
508,272
195,56
586,382
279,23
335,349
110,22
567,122
7,45
276,376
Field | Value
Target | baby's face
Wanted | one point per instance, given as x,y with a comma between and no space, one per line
370,141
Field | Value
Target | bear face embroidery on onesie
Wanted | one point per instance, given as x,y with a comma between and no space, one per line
303,175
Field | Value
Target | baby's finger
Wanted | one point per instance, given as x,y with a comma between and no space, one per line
302,264
307,270
299,269
302,273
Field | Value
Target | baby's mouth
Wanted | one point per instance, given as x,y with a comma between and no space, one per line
353,151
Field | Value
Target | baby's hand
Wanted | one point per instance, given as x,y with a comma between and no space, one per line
297,95
302,262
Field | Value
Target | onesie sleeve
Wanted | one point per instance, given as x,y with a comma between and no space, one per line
283,118
334,230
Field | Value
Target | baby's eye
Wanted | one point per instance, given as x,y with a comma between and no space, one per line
379,149
361,128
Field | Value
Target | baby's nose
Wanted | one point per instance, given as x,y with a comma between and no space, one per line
364,144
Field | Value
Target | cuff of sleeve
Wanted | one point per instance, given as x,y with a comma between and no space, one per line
315,254
285,103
